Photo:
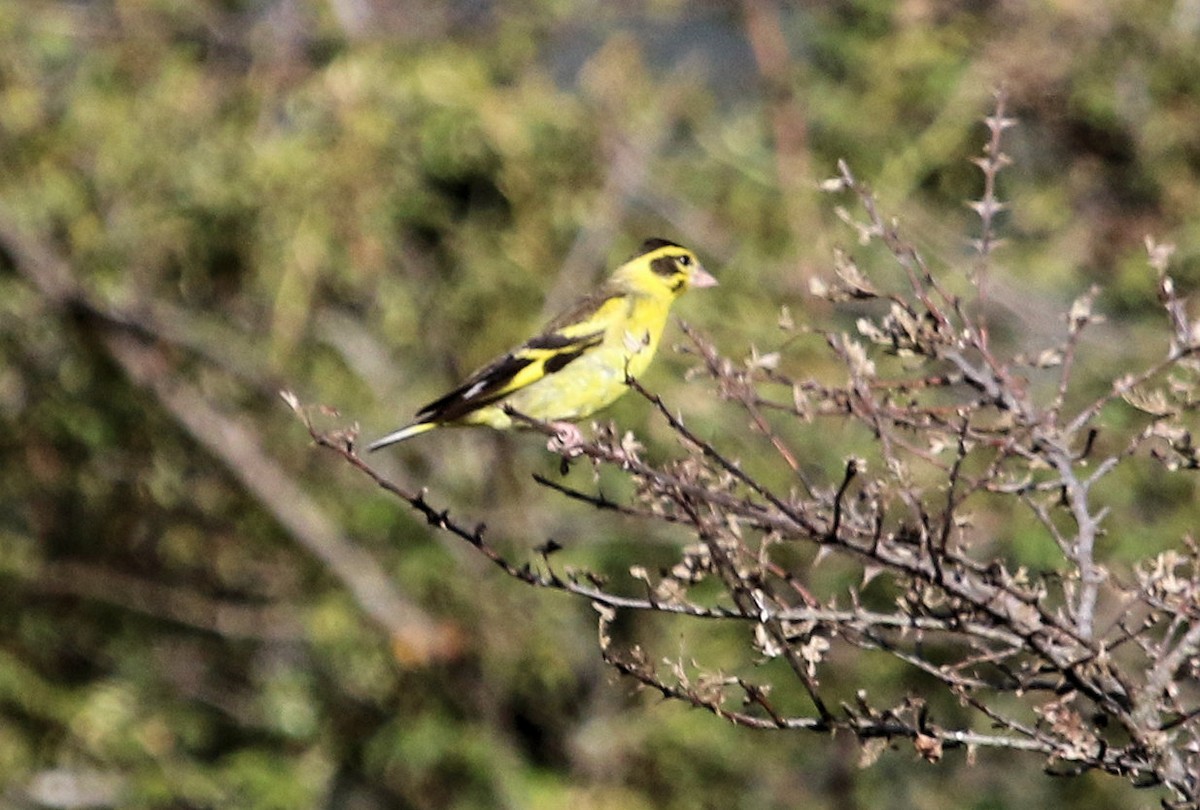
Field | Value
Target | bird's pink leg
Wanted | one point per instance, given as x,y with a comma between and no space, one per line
567,440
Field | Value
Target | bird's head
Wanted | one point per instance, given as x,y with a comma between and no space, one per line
662,268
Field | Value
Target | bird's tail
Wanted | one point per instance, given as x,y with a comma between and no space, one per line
400,435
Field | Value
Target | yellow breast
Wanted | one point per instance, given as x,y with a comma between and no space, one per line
596,379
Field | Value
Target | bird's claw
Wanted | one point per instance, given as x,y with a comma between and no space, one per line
567,440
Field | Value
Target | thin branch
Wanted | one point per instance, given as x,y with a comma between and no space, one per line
415,635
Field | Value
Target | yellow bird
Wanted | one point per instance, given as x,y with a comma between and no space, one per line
579,362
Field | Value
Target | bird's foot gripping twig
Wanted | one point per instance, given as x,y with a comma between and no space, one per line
567,440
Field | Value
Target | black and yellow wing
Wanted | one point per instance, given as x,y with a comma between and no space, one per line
535,359
565,339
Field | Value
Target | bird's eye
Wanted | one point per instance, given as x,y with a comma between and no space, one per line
685,260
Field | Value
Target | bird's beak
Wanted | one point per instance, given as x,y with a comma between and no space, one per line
702,278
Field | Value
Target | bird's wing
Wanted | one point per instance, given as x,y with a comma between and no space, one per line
566,339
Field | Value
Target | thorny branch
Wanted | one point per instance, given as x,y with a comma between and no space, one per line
1083,663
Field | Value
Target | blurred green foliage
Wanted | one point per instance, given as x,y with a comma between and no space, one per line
361,201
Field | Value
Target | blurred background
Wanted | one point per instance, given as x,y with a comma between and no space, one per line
203,202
